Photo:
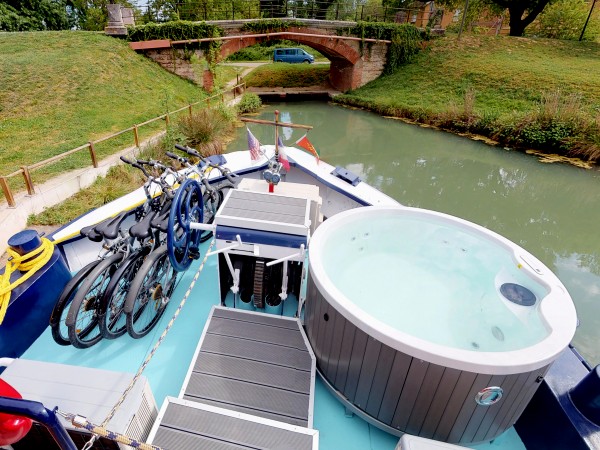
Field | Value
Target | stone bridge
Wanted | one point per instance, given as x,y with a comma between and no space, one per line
353,63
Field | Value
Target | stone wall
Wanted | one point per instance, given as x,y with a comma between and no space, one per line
178,62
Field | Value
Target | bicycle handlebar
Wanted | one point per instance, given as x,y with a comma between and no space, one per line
140,167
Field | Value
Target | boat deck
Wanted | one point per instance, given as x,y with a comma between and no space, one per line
167,371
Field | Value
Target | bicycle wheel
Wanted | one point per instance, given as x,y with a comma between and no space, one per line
82,319
58,317
150,293
111,314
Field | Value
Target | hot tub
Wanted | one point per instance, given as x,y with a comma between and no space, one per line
431,325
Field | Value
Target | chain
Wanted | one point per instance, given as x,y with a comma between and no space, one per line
160,340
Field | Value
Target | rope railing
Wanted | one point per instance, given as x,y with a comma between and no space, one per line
25,171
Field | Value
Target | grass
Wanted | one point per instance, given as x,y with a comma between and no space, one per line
502,80
119,180
206,131
288,75
59,90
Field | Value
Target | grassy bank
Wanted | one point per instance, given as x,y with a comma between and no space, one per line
58,90
288,75
533,93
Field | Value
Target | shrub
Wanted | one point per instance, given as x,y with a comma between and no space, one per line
249,103
406,40
206,129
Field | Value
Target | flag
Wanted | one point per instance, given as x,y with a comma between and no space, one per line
283,159
305,144
253,146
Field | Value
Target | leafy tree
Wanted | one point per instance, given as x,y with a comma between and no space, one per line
522,12
564,19
34,15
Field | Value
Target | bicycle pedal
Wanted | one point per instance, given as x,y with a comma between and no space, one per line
194,253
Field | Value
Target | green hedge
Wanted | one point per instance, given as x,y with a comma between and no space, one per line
406,39
181,31
174,31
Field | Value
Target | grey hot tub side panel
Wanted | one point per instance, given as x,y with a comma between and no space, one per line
406,393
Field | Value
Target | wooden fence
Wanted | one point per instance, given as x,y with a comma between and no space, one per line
25,171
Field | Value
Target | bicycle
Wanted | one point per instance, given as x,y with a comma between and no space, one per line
79,316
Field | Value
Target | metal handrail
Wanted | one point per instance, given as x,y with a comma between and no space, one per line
38,412
251,9
25,170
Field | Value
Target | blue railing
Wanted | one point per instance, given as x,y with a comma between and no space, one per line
38,412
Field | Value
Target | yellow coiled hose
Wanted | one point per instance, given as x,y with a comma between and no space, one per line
29,263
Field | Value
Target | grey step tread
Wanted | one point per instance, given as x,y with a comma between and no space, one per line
246,394
254,372
258,351
191,426
256,332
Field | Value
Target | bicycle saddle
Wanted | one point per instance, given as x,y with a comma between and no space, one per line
91,233
143,229
110,227
161,222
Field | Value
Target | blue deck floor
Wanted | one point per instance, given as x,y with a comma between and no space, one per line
169,366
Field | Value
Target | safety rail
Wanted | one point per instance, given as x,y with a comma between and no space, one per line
250,9
26,170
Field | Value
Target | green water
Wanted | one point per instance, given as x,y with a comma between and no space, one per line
551,210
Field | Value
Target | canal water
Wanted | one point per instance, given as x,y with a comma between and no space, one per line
551,210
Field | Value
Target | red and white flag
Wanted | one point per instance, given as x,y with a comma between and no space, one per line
253,146
306,144
283,159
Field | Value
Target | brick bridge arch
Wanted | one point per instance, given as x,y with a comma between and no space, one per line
350,67
352,64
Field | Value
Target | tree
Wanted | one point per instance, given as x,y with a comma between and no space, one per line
34,15
564,19
521,12
516,10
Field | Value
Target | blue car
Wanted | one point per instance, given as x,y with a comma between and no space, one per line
292,55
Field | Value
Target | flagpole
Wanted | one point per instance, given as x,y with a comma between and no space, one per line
276,135
271,185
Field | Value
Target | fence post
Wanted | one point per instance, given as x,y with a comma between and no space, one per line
7,193
232,10
93,154
136,138
167,120
362,12
337,11
190,110
28,182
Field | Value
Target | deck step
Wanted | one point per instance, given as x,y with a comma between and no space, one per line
190,425
256,364
250,385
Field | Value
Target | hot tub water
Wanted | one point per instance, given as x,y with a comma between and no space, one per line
433,280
